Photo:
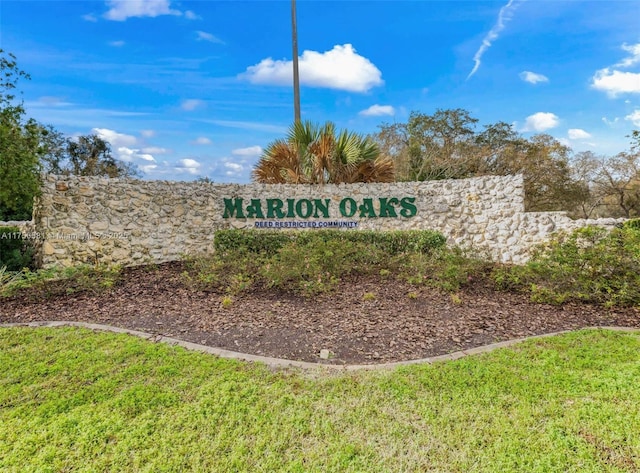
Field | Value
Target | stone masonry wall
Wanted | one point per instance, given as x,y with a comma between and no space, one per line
97,220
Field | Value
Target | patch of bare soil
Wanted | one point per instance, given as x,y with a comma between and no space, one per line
392,326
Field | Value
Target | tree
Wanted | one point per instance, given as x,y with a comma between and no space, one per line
314,154
544,163
496,146
393,142
618,180
87,155
438,144
27,148
445,145
20,147
430,147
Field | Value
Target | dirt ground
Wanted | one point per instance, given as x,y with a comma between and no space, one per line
399,322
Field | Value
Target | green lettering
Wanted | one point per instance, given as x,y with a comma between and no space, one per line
387,208
321,206
307,212
408,207
290,208
255,209
366,209
352,207
274,208
233,208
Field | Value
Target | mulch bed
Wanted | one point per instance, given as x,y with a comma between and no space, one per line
390,327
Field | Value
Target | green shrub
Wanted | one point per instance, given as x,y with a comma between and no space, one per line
59,281
16,253
590,264
313,261
316,265
269,242
446,268
231,270
251,241
633,223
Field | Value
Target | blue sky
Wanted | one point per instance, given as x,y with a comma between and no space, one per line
199,88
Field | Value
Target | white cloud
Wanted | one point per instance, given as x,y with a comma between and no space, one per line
204,36
90,17
377,111
191,104
155,150
505,14
189,15
634,117
131,154
610,122
125,146
201,140
120,10
117,44
234,167
615,82
148,133
634,49
115,138
340,68
532,77
541,121
53,101
234,171
578,134
251,151
147,168
188,165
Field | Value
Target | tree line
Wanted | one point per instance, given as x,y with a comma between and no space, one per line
29,148
447,144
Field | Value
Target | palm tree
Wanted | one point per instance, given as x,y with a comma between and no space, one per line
314,154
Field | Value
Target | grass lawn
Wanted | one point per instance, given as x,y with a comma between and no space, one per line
74,400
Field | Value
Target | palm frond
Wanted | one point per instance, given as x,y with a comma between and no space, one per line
317,154
279,164
378,170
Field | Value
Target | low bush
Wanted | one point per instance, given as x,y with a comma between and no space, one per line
59,281
268,243
16,253
311,262
446,268
252,241
633,223
233,270
317,266
590,264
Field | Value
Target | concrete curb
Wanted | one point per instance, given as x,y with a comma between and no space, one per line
282,363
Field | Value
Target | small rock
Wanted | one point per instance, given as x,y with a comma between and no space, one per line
325,354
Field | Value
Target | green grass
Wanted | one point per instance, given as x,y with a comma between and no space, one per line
73,400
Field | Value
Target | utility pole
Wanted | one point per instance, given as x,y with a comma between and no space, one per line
296,74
